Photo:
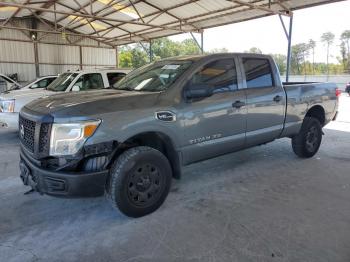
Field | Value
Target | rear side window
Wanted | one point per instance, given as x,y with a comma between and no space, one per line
257,72
220,74
114,78
89,82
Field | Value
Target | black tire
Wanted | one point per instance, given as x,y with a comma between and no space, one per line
308,141
140,181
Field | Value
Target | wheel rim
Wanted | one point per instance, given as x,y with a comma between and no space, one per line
312,138
144,185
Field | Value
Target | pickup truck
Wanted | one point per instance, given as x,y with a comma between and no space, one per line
12,101
130,141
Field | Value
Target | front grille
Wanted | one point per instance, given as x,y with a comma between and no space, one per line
27,133
44,138
39,146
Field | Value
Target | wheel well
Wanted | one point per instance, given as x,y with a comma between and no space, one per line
318,113
157,141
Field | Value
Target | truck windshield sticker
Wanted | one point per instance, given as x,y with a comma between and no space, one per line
170,67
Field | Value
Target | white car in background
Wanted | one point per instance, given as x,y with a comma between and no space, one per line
12,101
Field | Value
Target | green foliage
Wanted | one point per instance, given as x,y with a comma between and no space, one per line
302,60
218,50
254,50
281,62
134,56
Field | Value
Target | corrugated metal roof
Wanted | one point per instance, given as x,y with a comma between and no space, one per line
120,22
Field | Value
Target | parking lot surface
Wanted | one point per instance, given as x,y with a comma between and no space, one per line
260,204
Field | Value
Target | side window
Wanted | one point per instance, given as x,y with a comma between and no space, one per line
257,72
42,83
90,81
220,75
114,78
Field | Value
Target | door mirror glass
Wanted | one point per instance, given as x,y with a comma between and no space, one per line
75,88
198,91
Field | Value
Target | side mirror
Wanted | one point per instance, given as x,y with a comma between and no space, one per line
75,88
34,86
194,91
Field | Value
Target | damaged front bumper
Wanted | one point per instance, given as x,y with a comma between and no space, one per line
61,183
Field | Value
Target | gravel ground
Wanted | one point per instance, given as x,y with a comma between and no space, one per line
260,204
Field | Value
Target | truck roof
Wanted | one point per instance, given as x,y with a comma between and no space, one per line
120,70
218,55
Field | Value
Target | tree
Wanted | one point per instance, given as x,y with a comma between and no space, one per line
297,58
312,46
139,57
345,36
281,62
328,39
218,50
345,49
135,55
254,50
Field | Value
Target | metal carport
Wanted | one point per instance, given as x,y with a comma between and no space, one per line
114,22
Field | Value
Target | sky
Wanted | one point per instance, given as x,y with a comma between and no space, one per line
267,33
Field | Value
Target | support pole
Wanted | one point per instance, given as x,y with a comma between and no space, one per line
81,58
117,56
34,37
289,54
150,51
200,46
36,59
202,42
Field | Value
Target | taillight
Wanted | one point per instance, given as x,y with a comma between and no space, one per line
337,92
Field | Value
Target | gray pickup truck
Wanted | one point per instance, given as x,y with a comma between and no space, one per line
130,141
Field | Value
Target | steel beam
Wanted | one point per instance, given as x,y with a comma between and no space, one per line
202,42
289,52
150,51
104,18
200,46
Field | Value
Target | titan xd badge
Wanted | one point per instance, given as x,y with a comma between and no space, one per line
166,116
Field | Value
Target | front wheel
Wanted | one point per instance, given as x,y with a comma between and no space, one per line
140,181
308,141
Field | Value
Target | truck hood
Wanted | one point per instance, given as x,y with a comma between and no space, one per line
92,102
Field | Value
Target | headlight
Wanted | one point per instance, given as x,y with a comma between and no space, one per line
67,139
7,106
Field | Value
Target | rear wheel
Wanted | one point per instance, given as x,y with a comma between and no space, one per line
140,181
308,141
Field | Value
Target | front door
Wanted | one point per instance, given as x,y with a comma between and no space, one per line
216,124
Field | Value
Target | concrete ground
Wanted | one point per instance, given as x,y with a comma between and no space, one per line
261,204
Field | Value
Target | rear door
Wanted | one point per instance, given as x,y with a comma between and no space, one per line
212,125
265,100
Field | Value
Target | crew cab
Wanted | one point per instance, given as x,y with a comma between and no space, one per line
130,141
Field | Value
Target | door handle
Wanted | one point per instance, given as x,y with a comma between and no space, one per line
277,99
238,104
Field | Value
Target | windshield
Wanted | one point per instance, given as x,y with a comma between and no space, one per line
62,82
154,77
